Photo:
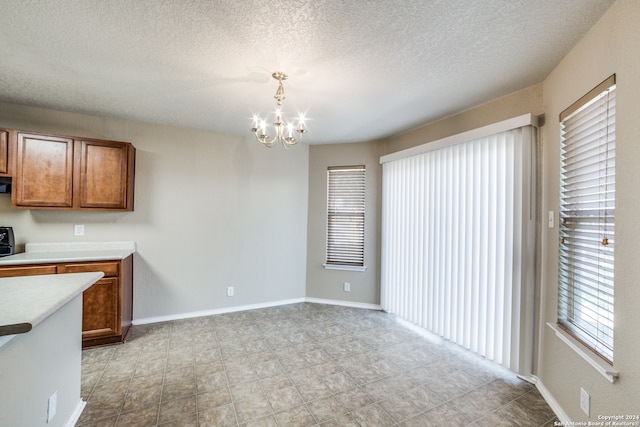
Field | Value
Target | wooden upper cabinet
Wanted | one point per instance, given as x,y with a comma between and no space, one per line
56,172
44,171
105,181
4,152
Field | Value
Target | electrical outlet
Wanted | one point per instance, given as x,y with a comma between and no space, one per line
52,405
78,230
347,287
230,291
584,401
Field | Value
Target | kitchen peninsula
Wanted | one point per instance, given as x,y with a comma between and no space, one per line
40,348
107,306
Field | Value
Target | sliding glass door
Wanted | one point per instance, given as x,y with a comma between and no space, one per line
458,243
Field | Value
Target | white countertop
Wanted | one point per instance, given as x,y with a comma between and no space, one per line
27,301
40,253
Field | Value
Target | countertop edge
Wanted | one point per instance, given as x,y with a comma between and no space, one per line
48,253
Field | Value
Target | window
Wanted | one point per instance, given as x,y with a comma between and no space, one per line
587,219
345,217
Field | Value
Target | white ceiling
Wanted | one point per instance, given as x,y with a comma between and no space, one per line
361,69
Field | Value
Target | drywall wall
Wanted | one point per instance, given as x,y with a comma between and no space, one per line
328,284
611,46
365,287
44,361
524,101
211,211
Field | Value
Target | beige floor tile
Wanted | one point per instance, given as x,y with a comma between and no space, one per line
325,409
284,398
142,398
256,407
222,416
213,399
178,408
141,417
296,416
299,364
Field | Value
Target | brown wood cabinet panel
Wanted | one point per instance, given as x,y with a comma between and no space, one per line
44,171
110,269
27,270
104,174
107,306
4,152
66,172
100,309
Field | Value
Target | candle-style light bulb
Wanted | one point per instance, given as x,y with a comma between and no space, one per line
301,123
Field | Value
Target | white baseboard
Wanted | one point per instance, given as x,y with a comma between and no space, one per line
343,303
211,312
552,402
75,416
179,316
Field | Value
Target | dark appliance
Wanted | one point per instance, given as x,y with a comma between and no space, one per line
5,184
7,244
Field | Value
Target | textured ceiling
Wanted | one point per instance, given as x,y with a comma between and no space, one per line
360,69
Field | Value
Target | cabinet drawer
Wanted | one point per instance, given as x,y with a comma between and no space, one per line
28,270
110,269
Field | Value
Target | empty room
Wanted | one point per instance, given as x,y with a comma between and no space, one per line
322,213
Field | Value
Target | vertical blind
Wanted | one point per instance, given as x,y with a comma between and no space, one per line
458,243
587,219
345,216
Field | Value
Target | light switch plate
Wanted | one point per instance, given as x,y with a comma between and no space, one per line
552,219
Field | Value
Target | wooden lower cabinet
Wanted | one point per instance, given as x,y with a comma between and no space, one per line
107,306
99,310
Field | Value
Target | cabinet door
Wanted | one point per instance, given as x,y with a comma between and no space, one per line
44,173
104,175
4,152
99,309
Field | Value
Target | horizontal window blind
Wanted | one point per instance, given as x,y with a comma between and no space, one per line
345,216
587,220
458,243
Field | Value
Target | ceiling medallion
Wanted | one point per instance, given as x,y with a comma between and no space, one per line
283,130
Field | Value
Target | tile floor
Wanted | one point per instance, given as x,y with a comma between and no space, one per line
299,365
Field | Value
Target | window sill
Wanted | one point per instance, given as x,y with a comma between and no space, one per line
343,267
600,365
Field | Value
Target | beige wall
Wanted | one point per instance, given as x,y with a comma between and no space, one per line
525,101
211,211
610,47
328,284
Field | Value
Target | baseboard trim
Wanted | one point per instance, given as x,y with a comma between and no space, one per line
343,303
552,402
75,416
211,312
189,315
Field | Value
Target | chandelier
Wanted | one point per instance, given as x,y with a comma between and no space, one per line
284,132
